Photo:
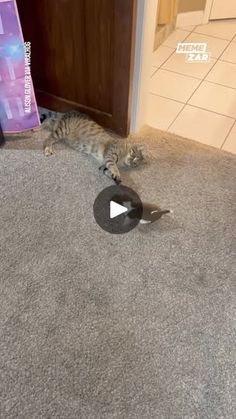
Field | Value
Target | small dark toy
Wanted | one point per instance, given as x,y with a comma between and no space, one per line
150,213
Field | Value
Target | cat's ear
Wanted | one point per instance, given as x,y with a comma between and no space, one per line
133,150
137,147
144,151
142,148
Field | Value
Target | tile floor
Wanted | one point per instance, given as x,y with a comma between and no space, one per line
197,100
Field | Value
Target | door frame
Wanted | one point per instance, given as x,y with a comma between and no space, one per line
144,41
207,11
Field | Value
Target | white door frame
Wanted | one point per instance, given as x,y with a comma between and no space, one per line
144,41
207,11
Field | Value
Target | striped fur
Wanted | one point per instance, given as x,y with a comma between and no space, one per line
80,131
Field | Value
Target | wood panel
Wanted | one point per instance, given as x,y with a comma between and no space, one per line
82,55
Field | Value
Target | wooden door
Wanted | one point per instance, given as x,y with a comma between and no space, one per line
82,56
223,9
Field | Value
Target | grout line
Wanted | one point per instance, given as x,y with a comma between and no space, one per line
201,82
228,135
165,46
203,109
199,107
208,110
158,68
216,37
220,84
165,97
174,50
224,50
225,61
196,78
193,106
179,41
181,74
204,78
174,100
184,105
212,37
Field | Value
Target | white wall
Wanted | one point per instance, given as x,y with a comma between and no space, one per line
191,5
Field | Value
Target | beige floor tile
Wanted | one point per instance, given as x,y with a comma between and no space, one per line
203,126
230,143
177,36
216,98
161,112
230,53
178,63
224,29
161,55
215,46
172,85
223,73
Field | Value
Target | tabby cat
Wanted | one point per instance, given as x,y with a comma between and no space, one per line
93,139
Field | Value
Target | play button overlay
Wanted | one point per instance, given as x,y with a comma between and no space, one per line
117,209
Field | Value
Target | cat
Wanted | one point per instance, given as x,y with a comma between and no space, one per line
79,129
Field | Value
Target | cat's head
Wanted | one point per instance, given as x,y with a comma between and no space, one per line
135,155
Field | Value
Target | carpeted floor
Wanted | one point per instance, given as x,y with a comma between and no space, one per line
133,326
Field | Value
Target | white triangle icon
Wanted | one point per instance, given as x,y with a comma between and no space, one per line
116,209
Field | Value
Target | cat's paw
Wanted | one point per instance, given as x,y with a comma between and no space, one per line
116,179
48,151
114,176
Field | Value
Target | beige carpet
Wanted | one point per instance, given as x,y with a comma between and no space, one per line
134,326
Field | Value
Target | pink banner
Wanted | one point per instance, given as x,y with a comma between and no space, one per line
18,108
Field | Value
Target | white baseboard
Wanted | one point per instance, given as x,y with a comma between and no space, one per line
189,18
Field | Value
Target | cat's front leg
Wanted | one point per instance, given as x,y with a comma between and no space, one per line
111,170
112,174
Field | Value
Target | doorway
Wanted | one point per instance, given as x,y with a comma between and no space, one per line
165,20
218,9
194,100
